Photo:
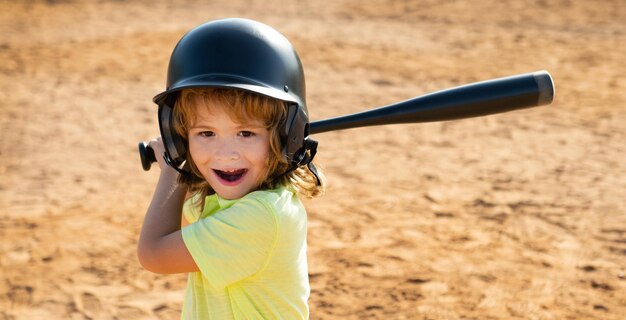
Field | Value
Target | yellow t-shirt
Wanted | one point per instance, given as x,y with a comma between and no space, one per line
251,253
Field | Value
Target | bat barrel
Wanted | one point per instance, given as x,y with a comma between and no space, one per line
472,100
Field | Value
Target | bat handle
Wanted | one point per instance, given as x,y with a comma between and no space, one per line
147,155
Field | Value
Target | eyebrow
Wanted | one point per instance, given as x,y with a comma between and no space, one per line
238,127
200,127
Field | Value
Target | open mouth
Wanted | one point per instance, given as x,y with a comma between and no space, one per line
231,175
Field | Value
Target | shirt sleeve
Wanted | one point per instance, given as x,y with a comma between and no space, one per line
234,243
191,211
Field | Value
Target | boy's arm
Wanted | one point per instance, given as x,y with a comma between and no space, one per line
161,248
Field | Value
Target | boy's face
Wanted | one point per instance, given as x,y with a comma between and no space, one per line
232,157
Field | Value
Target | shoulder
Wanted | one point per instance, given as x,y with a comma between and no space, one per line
277,200
283,205
256,209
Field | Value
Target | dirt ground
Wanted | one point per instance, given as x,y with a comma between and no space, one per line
512,216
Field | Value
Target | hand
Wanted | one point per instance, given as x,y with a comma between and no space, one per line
159,151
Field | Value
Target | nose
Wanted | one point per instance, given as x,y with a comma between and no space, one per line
226,150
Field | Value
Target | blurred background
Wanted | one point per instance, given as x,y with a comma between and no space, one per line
512,216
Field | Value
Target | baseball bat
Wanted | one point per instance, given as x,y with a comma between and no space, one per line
466,101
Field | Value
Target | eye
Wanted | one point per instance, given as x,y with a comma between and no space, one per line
245,134
206,133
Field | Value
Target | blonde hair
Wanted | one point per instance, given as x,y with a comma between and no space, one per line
243,106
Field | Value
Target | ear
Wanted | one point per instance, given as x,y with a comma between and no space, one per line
175,145
296,129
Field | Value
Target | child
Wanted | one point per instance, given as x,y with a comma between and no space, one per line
236,155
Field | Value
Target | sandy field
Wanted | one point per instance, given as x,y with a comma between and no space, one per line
512,216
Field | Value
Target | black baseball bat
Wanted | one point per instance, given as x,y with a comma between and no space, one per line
470,100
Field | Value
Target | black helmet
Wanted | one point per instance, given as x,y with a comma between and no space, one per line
241,54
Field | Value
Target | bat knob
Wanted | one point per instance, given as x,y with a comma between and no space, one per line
545,86
147,155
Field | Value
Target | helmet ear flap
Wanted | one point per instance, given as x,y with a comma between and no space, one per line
298,148
175,145
294,132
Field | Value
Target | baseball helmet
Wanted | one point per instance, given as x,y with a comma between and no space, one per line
241,54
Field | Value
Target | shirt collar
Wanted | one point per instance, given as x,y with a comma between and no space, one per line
224,203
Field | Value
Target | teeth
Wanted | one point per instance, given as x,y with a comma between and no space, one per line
231,171
231,175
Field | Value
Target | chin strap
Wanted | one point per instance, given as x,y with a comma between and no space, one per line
186,174
311,146
305,158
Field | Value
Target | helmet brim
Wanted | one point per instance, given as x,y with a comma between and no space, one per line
228,81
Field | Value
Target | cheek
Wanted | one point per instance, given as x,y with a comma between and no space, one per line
197,151
266,151
261,157
192,147
262,154
262,162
